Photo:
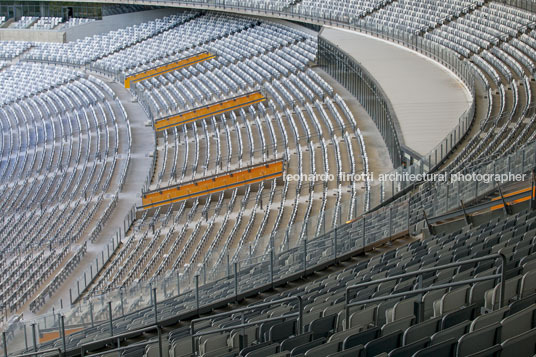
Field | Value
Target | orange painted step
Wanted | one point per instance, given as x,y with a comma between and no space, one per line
213,184
209,110
169,67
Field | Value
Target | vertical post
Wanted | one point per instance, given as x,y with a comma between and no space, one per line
532,188
390,222
25,339
204,273
505,205
110,317
420,315
34,338
300,311
178,283
156,323
192,333
236,280
196,277
63,337
228,267
4,343
364,233
272,268
122,302
335,245
71,296
91,314
304,256
155,306
78,286
503,279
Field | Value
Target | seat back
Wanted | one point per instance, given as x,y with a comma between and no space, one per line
361,338
421,330
523,344
479,340
518,323
323,350
446,348
454,332
409,349
385,343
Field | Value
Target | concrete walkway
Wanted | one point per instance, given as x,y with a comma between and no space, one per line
140,162
427,98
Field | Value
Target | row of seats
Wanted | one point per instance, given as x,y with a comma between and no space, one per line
254,54
61,133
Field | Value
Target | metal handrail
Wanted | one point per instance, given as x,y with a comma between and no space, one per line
481,206
419,273
299,314
57,349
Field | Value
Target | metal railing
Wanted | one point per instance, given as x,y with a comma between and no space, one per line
298,314
421,290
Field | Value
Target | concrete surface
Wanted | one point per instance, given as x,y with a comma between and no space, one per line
427,98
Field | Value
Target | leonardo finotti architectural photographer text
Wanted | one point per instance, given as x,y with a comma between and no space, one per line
408,177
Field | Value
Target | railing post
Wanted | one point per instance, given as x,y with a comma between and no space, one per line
505,205
34,338
532,187
156,323
110,318
300,317
466,216
63,337
91,314
192,333
364,233
305,256
272,268
420,315
196,278
347,311
503,279
236,281
4,343
228,267
178,283
390,222
335,245
25,339
122,302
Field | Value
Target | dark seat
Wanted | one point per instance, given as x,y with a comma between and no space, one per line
323,326
361,338
409,349
382,344
444,349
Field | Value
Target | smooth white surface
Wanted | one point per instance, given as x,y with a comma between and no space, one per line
427,98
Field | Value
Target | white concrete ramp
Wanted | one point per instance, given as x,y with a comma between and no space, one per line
427,98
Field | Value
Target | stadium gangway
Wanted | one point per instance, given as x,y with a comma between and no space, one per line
298,314
211,184
168,67
210,110
503,201
421,290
